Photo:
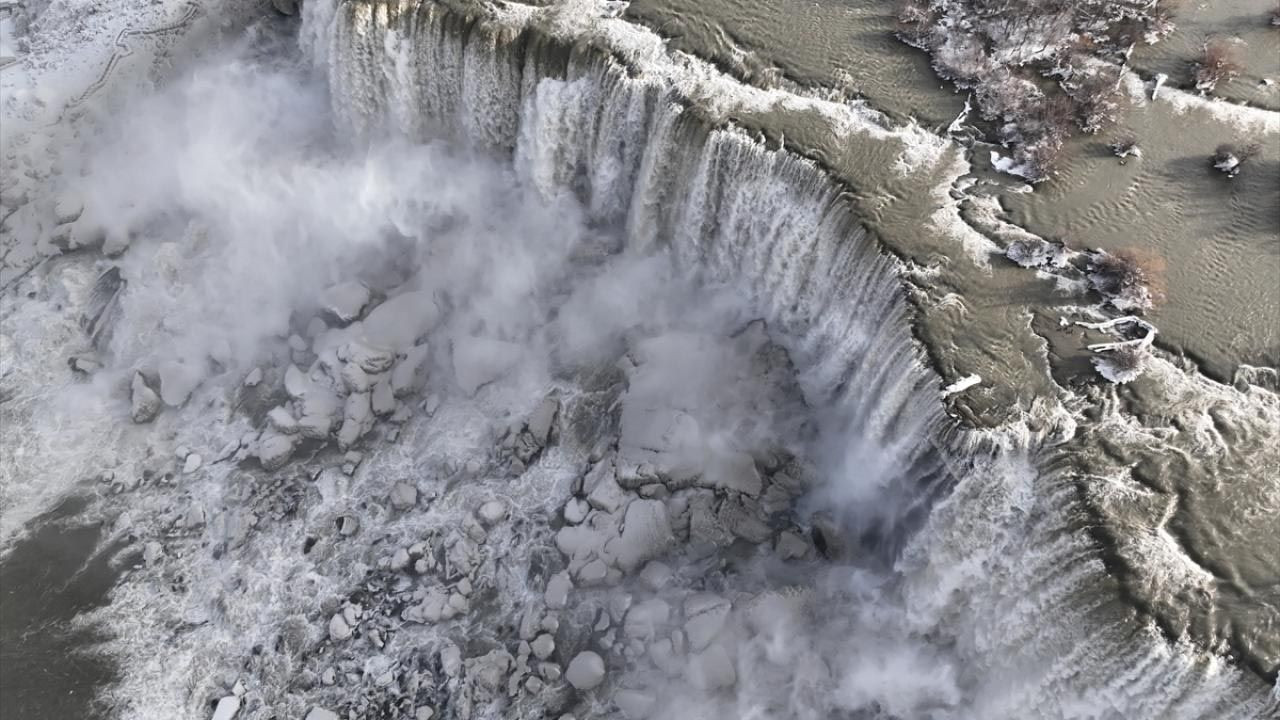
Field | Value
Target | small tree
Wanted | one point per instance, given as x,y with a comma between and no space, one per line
1220,63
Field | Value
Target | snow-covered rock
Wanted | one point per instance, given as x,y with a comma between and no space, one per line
345,301
585,671
145,401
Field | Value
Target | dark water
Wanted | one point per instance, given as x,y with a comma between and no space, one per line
47,668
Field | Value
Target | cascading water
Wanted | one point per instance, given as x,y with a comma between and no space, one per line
1000,568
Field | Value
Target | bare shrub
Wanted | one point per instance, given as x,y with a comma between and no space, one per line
1123,364
1097,96
1131,279
1230,158
1220,63
1124,146
915,23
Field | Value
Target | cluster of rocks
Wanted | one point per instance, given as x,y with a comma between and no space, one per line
629,579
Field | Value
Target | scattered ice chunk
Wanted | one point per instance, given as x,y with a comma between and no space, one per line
961,385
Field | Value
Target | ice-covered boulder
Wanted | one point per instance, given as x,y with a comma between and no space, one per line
646,533
399,322
586,670
345,301
145,402
178,380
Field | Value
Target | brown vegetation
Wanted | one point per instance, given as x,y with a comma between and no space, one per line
1131,278
1230,158
1220,63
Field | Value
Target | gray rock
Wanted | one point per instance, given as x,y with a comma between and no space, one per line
192,463
479,361
400,559
634,704
586,670
645,619
275,449
791,546
371,359
67,208
177,381
705,615
355,378
557,594
282,420
655,575
345,301
400,321
296,384
605,493
712,669
357,419
593,573
145,401
575,511
543,646
348,525
646,533
318,713
253,378
492,512
410,374
383,400
227,708
404,496
663,654
339,630
542,418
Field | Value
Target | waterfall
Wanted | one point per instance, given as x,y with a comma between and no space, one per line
1000,572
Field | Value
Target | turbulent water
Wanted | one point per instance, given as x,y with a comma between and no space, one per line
624,380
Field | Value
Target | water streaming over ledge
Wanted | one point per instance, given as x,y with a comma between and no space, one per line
1000,570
